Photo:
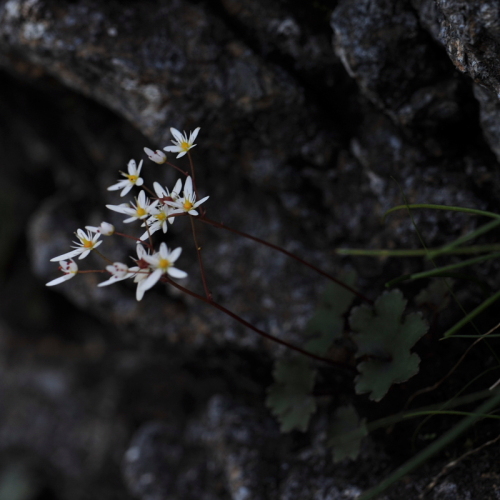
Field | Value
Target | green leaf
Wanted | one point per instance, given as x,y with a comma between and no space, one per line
327,324
345,433
289,398
386,338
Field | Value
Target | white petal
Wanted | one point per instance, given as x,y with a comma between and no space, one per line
193,212
119,185
172,149
177,135
111,280
141,252
175,254
61,279
152,279
176,273
139,294
160,192
144,236
180,155
164,251
132,167
139,167
119,208
139,181
188,187
203,200
68,255
84,254
126,189
177,189
141,199
194,135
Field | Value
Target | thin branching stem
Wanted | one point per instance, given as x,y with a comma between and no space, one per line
200,260
134,238
289,254
177,168
233,315
103,256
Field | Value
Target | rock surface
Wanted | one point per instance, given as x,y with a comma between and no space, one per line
306,112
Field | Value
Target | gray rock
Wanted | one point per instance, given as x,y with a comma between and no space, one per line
293,149
470,33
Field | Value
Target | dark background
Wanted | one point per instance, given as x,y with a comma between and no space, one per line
311,113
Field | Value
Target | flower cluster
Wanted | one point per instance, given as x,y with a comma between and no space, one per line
154,213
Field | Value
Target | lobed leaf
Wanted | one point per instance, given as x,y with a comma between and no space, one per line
345,433
385,337
289,398
327,324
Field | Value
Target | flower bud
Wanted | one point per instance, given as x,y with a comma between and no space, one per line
156,156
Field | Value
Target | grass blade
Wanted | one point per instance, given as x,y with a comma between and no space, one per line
439,271
432,449
463,239
472,211
361,252
479,309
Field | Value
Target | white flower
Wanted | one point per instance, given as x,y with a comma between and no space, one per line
188,201
161,263
69,268
118,272
158,220
161,214
87,243
132,179
141,271
105,228
156,156
164,195
140,210
181,143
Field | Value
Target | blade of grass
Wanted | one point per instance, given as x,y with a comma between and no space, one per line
469,317
450,291
466,237
440,270
451,402
446,412
472,211
415,252
432,449
494,336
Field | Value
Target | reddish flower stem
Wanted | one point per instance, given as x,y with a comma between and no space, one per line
200,260
134,238
289,254
177,168
233,315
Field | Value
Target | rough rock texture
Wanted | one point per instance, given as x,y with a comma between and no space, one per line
306,112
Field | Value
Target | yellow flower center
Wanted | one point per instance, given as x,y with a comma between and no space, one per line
184,145
164,264
161,216
140,212
133,178
87,243
187,205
